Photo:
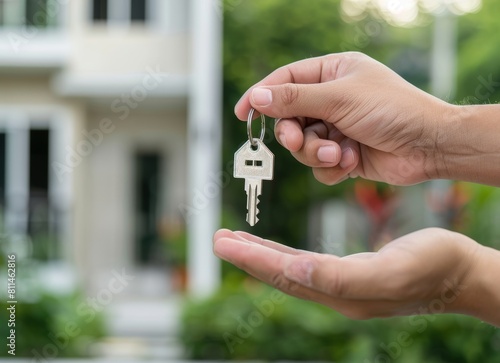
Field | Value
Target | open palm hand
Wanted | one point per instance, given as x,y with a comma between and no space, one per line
405,277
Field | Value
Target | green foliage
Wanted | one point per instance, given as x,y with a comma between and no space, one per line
51,322
479,56
248,320
48,323
481,214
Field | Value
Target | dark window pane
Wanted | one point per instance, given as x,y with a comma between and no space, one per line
147,195
100,10
39,161
44,244
36,13
138,10
2,171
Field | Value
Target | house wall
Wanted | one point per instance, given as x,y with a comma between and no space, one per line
108,186
121,47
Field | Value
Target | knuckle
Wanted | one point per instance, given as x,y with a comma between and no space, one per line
335,285
401,285
279,129
289,94
310,152
280,282
399,282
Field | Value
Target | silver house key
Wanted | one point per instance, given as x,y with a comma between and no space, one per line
254,162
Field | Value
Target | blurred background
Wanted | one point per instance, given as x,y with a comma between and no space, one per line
117,137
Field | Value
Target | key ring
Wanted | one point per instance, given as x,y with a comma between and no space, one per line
249,127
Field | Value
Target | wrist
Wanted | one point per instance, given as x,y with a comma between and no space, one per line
481,296
435,136
466,144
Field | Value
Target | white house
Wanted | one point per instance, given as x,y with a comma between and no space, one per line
95,107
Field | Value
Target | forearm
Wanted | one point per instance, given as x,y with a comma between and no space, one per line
482,289
467,148
467,145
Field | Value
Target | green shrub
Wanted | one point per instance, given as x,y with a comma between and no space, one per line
51,327
249,320
49,319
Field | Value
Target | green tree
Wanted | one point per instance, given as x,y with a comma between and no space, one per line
479,56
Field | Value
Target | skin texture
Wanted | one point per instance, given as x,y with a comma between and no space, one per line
346,115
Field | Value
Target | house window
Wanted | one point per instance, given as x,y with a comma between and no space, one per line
119,11
149,249
29,204
39,162
2,172
39,226
100,10
138,10
35,13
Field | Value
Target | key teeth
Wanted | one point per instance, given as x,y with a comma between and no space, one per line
256,219
257,201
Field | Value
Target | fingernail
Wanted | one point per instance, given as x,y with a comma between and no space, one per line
327,154
282,138
347,158
300,271
262,96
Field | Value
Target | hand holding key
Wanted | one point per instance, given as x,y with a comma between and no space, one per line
348,115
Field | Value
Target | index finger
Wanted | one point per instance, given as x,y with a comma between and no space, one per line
307,71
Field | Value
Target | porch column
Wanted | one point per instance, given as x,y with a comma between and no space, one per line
204,146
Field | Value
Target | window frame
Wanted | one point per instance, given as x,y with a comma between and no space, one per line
21,120
14,14
119,14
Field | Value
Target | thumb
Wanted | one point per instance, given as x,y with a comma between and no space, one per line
292,100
